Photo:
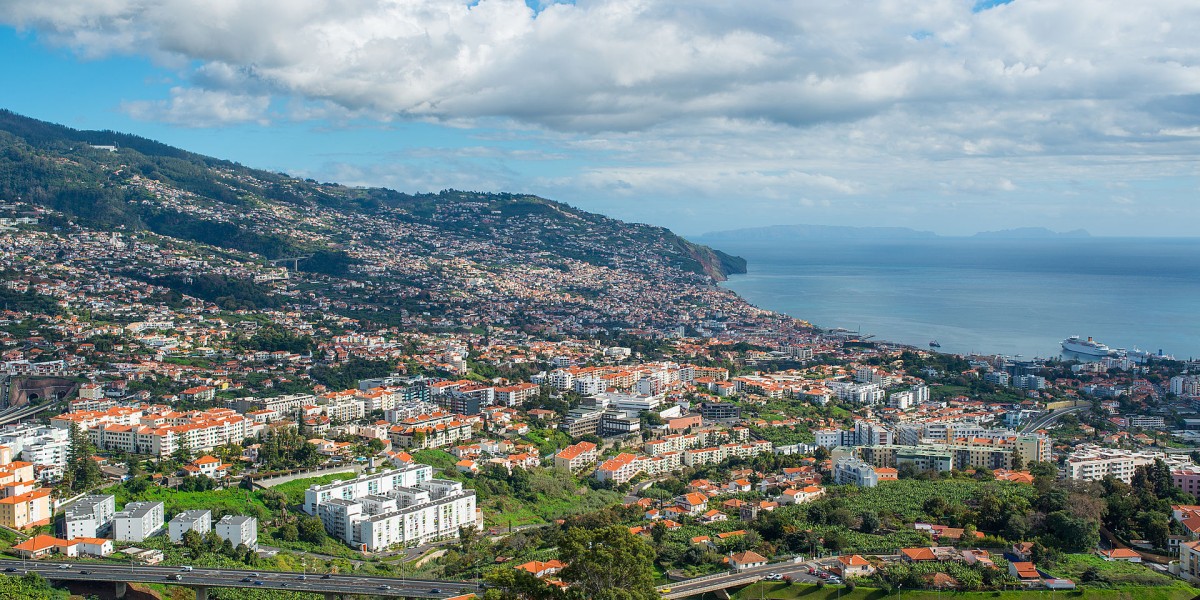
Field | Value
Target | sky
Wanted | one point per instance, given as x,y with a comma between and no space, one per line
953,116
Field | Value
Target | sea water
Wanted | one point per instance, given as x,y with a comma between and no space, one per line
1006,296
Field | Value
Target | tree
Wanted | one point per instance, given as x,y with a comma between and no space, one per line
311,530
194,541
869,522
518,584
288,533
1070,533
607,564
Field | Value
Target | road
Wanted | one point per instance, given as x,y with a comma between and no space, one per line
1049,418
270,580
798,572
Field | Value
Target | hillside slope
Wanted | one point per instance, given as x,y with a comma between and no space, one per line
440,259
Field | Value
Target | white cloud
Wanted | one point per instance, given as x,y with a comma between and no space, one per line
192,107
835,103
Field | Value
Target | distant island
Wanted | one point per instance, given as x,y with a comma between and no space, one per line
776,233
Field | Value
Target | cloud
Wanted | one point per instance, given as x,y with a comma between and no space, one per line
191,107
633,64
779,105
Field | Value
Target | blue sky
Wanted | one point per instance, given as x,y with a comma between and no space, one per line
949,115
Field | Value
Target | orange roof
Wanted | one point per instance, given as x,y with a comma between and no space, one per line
853,560
38,543
1025,570
917,554
695,498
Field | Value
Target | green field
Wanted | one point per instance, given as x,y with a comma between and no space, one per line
294,490
1176,591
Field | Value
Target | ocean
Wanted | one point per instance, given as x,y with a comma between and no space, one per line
994,296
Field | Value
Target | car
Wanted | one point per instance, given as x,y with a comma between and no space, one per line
246,580
385,587
435,591
255,575
664,591
774,577
85,572
258,582
185,568
302,577
823,575
10,570
175,577
327,576
64,566
812,571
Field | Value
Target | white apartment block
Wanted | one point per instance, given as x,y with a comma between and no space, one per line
716,454
89,517
1093,463
859,393
366,485
1185,385
39,445
404,508
199,521
238,530
850,470
138,521
159,431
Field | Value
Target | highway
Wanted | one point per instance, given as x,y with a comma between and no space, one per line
1049,418
693,587
270,580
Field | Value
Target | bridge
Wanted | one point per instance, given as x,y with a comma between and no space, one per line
12,415
295,260
332,587
798,571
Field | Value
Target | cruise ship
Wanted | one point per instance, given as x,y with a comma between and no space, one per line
1087,347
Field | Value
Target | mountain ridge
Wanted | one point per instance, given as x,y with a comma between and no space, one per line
427,261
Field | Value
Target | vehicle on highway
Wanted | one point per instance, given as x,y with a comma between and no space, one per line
64,566
258,582
85,572
246,580
255,575
302,577
385,587
185,568
327,576
175,577
435,591
10,570
664,590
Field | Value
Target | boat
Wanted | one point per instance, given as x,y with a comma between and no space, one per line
1088,347
934,344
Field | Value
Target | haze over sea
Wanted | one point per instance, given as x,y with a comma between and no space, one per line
1006,296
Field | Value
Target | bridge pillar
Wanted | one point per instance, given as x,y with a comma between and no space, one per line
120,588
201,592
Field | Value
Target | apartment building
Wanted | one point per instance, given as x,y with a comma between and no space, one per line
39,445
576,456
852,471
238,530
138,521
1093,463
392,509
199,521
89,517
26,509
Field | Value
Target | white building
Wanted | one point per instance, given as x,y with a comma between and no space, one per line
89,517
405,507
199,521
138,521
238,530
1093,463
39,445
850,470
